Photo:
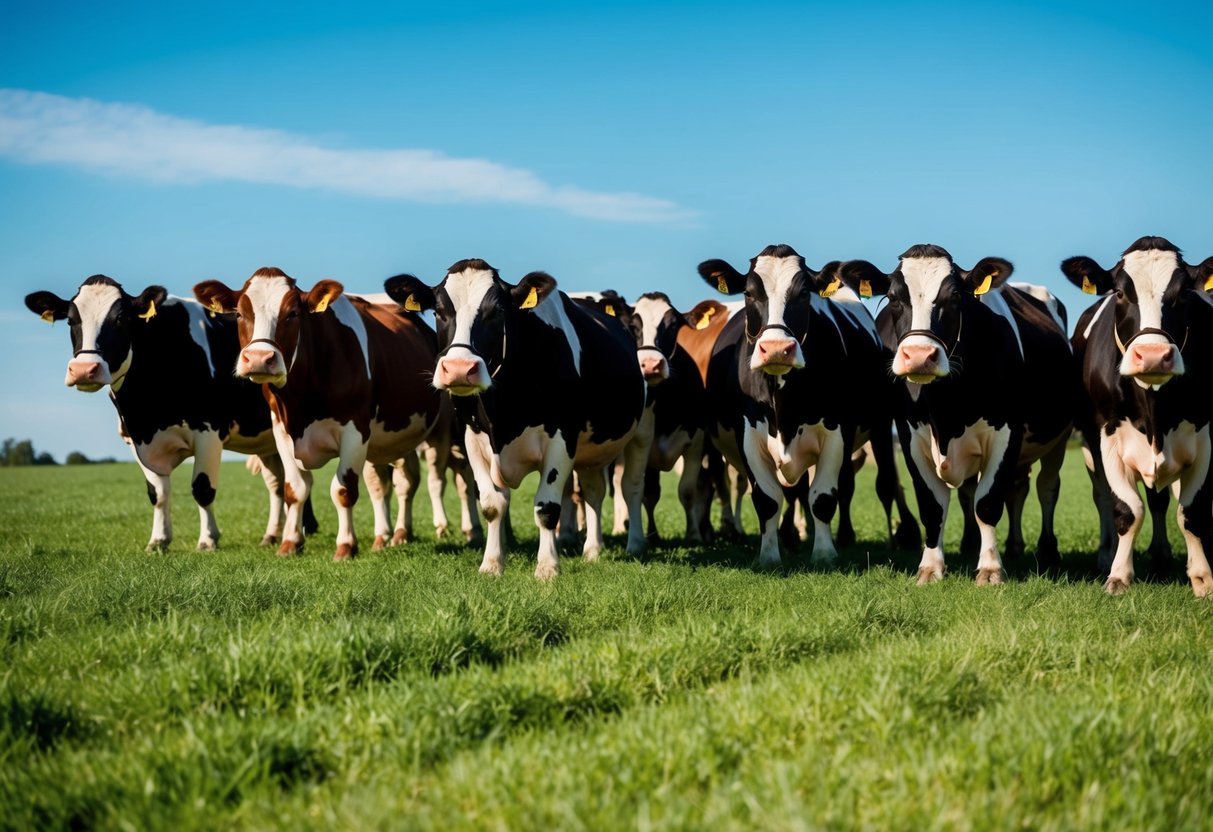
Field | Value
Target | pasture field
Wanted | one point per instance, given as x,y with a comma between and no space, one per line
235,689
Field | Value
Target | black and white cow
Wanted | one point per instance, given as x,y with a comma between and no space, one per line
543,384
165,361
1148,373
989,377
797,380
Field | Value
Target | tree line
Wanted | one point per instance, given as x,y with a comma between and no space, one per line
15,452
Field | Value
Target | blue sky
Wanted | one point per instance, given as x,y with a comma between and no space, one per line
613,145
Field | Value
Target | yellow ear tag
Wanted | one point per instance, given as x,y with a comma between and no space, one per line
324,303
610,310
151,311
48,316
1088,286
721,284
832,288
532,299
865,288
216,307
985,285
1209,283
706,319
411,304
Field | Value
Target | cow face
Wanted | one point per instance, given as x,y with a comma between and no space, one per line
778,290
474,313
1152,287
101,318
927,293
270,312
653,323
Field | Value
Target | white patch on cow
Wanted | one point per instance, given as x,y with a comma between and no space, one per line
1086,333
466,291
995,302
266,295
1151,272
924,276
970,453
845,300
197,325
776,274
93,303
348,315
1157,468
551,311
650,311
1042,294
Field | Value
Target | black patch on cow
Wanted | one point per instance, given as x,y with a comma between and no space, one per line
778,250
204,492
552,476
824,507
1122,516
926,250
151,493
1152,244
310,524
548,514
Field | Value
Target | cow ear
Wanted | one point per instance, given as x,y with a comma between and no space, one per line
827,281
613,304
989,273
533,289
149,301
1087,275
409,292
1203,275
722,277
704,313
862,277
47,305
216,297
323,294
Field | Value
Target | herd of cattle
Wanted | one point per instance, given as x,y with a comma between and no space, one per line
976,376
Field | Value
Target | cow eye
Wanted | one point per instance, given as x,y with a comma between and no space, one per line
292,315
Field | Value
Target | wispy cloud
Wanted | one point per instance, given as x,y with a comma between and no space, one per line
136,141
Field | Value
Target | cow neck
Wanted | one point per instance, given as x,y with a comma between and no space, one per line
1123,346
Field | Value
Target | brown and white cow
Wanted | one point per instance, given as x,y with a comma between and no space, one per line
344,378
1147,370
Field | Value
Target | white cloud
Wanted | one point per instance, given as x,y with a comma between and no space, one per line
132,140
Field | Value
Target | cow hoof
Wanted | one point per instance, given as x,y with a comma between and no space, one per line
1202,585
990,576
157,546
401,536
378,543
591,554
823,559
441,531
473,536
345,551
495,568
637,549
208,545
546,571
929,575
619,528
845,537
1115,586
908,537
269,540
768,565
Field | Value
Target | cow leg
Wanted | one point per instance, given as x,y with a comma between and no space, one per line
1195,516
1127,515
823,495
651,496
593,495
994,483
436,459
766,494
344,489
635,463
271,474
846,492
375,477
208,450
557,467
933,499
890,492
494,501
970,537
1048,491
406,477
689,495
1101,495
620,518
1017,497
159,492
1159,552
295,491
572,514
469,517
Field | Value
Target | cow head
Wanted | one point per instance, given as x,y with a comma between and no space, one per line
927,295
653,323
270,313
101,319
778,290
475,312
1152,286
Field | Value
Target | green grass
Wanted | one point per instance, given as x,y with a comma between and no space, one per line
403,690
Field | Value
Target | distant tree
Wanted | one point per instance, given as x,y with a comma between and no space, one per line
76,458
14,452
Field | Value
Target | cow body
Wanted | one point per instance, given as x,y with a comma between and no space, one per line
795,380
543,384
1147,366
968,348
165,361
344,379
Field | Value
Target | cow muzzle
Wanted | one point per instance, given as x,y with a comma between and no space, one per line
920,358
261,363
653,365
88,374
1150,363
776,356
461,376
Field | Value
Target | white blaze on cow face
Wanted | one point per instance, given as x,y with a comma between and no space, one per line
653,363
88,370
922,358
776,351
460,370
1151,359
261,361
